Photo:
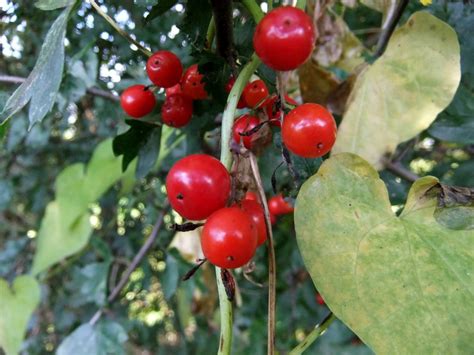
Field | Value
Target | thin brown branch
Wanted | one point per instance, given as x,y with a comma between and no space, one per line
134,264
120,31
11,79
271,258
398,169
222,14
389,26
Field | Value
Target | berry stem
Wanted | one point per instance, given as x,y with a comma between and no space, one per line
254,9
117,28
313,335
271,258
210,34
301,4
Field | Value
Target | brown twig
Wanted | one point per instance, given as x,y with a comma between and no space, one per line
10,79
389,26
222,14
271,257
398,169
134,264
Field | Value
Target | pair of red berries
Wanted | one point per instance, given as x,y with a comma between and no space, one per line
166,71
198,188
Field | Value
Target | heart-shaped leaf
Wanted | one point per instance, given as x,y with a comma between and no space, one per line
404,284
401,94
16,306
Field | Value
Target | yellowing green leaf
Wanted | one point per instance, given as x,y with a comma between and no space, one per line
401,94
16,306
405,284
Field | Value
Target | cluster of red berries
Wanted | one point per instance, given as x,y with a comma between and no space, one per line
199,187
165,70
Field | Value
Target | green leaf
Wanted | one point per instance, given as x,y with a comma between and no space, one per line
42,84
131,142
160,8
57,238
90,284
65,228
53,4
16,306
401,94
387,277
148,154
102,339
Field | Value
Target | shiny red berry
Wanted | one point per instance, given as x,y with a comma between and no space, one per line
164,69
197,186
244,124
192,83
273,109
309,131
230,84
250,195
175,89
229,238
137,101
278,206
177,110
284,39
255,211
255,93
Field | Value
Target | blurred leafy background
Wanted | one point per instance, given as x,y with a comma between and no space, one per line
157,313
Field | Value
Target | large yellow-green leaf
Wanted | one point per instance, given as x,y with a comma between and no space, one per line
405,285
401,94
16,306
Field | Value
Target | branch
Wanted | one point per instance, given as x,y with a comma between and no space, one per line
315,333
10,79
134,264
271,258
389,26
222,15
117,28
398,169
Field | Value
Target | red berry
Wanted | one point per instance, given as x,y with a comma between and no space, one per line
176,89
197,186
309,131
164,69
228,88
254,93
273,112
177,110
284,38
229,238
255,211
192,83
249,195
278,206
273,218
137,101
320,299
243,124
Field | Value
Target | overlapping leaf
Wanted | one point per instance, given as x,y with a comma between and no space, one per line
387,277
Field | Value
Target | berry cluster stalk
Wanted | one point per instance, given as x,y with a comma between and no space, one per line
225,305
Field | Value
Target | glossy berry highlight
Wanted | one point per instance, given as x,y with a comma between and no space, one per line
229,238
197,186
164,69
137,101
284,39
309,131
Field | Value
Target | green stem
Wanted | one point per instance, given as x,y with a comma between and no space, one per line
225,309
315,334
254,9
231,106
270,5
211,32
118,29
301,4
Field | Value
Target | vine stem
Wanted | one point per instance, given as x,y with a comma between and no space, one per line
254,9
315,334
117,28
225,306
134,264
211,32
271,258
